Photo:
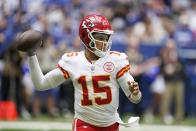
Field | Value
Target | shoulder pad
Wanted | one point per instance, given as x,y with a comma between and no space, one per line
118,55
70,55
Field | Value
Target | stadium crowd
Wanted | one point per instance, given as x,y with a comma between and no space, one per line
158,36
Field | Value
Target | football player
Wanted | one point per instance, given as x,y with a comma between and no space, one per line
97,74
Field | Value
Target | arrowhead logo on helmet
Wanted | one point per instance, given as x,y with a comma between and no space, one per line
87,23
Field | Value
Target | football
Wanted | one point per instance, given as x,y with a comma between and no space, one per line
28,40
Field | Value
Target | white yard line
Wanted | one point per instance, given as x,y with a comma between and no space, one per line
63,126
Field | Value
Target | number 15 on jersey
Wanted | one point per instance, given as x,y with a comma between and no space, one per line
86,101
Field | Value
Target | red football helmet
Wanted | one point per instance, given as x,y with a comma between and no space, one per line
95,24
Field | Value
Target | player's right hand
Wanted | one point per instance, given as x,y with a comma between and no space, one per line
29,41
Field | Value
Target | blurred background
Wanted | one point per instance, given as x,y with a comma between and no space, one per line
159,37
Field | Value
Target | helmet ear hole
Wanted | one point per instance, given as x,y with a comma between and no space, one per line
92,44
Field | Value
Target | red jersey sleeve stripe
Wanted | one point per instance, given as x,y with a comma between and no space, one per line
122,71
65,73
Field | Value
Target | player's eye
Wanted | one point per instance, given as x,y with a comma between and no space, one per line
101,36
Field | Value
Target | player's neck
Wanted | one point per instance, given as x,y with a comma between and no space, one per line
90,56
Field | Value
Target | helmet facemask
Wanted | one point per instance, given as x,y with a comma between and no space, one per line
100,43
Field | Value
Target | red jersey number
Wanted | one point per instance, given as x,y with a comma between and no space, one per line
86,101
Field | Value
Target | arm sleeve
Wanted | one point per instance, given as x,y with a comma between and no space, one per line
125,87
41,81
123,76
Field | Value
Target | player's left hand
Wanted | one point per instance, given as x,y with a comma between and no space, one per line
134,87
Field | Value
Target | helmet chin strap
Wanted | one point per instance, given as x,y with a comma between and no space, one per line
96,52
93,48
99,53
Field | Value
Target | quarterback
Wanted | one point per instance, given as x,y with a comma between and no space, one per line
97,74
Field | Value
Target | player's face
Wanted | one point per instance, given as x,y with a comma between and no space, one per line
101,41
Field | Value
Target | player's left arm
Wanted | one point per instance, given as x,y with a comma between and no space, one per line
130,88
126,81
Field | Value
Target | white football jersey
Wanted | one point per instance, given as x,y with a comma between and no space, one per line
96,85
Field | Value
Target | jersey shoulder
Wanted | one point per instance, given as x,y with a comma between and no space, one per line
70,59
117,56
71,56
121,61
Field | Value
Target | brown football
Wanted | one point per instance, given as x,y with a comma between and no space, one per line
28,40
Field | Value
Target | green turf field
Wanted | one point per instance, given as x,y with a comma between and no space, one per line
48,126
44,123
